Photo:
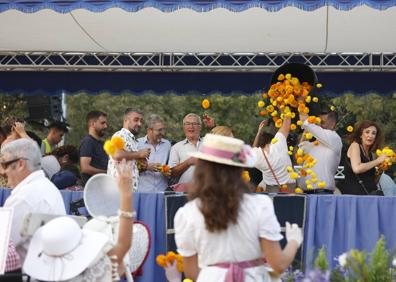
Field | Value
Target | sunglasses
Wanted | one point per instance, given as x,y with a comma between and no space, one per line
6,164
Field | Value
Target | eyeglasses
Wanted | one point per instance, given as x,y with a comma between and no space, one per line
6,164
191,123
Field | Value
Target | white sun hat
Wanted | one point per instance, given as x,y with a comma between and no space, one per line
101,196
225,150
61,250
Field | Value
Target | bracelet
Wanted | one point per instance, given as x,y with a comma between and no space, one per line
126,214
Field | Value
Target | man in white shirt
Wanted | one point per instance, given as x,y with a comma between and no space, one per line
179,160
327,151
152,179
133,120
32,192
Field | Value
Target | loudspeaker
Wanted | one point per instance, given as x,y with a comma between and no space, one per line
45,107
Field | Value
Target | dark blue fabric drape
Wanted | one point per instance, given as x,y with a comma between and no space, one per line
65,6
52,83
341,223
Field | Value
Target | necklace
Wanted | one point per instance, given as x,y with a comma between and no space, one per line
366,154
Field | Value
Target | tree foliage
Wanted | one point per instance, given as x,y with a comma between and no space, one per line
238,111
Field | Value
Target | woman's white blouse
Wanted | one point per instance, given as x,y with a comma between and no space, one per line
240,242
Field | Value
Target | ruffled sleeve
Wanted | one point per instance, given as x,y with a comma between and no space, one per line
184,233
269,227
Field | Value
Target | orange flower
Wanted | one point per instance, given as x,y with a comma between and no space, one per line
109,148
161,260
205,104
170,257
303,172
179,266
300,160
165,168
263,113
278,123
298,190
118,142
312,119
265,95
259,189
281,77
245,176
308,136
293,126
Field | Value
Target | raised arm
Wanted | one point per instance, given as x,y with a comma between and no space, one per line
260,130
356,162
327,137
124,240
285,128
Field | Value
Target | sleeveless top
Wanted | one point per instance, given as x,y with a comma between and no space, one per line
351,184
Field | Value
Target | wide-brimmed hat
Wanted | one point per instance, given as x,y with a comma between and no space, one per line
101,196
225,150
60,250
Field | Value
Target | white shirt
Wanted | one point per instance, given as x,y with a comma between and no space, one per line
34,194
181,152
278,159
239,242
327,153
131,145
154,181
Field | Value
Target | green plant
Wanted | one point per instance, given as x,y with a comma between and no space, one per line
321,262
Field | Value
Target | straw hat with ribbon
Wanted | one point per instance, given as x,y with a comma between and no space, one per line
225,150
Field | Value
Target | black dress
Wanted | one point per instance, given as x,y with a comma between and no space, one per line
351,184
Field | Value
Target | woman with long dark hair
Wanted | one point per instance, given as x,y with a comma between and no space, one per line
361,163
223,231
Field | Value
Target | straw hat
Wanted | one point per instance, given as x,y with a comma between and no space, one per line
225,150
60,250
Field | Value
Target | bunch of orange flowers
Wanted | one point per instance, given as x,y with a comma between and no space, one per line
287,97
169,259
113,145
389,161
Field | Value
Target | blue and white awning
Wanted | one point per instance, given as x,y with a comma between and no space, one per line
65,6
171,26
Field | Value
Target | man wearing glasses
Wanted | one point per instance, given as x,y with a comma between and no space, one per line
152,179
32,192
179,160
